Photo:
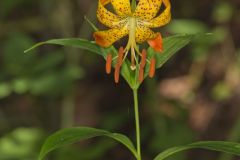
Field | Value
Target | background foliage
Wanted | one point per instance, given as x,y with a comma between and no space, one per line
195,96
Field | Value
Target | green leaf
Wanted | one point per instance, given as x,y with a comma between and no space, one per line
221,146
71,42
90,46
71,135
171,45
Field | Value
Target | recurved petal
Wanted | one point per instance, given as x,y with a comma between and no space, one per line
106,17
143,34
108,37
163,18
105,2
122,7
147,9
156,43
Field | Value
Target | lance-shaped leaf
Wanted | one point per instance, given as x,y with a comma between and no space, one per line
171,46
72,135
221,146
89,46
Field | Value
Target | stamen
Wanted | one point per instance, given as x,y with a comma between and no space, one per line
120,56
152,68
144,58
141,74
109,63
117,73
118,65
142,65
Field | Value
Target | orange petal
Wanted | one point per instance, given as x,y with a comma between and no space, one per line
157,43
105,2
152,68
109,63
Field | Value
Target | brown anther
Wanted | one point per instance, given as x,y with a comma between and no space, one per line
117,73
144,57
120,56
141,74
142,65
118,65
152,68
109,63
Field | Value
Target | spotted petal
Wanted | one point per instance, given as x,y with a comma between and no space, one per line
156,43
143,33
122,7
105,2
147,9
163,18
108,37
106,17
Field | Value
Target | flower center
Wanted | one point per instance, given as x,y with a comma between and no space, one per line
131,45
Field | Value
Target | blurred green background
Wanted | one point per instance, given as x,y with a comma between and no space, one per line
195,96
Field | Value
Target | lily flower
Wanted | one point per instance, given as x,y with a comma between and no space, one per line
136,24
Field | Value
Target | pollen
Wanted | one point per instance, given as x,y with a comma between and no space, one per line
109,63
144,58
120,56
141,75
152,67
142,66
116,74
118,64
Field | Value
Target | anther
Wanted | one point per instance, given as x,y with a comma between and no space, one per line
143,60
141,74
117,73
109,63
142,65
120,56
152,68
118,65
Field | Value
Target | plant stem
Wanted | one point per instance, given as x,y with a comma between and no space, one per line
136,110
133,5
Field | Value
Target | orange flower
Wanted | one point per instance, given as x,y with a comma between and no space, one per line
136,24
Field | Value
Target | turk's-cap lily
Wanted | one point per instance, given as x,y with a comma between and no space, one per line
137,25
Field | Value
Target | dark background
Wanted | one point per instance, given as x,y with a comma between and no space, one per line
194,96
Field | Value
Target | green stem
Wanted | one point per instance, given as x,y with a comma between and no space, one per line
133,5
136,110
